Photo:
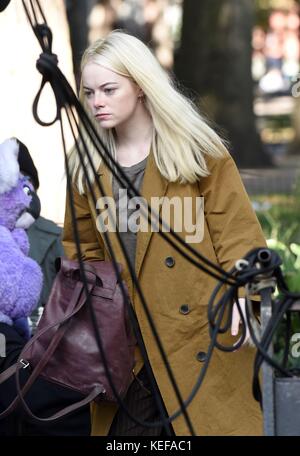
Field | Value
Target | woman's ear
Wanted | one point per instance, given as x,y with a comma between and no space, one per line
141,95
140,92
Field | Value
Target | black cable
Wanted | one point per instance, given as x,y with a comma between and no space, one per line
65,97
52,62
141,343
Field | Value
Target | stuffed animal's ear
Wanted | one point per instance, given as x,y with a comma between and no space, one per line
9,166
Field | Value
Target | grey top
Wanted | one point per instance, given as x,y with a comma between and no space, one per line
135,174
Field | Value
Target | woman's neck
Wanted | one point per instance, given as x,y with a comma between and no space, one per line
134,140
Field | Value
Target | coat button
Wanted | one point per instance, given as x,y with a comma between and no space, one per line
201,356
169,261
184,309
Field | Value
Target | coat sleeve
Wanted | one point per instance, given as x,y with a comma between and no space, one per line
90,242
232,222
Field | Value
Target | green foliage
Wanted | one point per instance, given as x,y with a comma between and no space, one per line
279,216
290,255
281,227
285,341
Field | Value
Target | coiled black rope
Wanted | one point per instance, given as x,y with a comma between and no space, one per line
259,265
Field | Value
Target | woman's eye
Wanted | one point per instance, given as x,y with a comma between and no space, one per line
109,91
27,190
88,94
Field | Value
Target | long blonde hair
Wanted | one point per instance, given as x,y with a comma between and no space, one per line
181,137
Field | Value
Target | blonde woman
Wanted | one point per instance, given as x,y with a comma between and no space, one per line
166,150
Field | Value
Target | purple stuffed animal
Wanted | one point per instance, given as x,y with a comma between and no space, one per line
20,276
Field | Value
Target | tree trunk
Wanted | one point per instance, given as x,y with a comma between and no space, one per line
215,62
77,13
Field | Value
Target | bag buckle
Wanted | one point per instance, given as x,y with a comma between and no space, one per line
24,363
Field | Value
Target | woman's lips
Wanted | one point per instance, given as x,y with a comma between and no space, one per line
102,116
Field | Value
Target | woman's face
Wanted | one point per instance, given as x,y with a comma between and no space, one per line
112,98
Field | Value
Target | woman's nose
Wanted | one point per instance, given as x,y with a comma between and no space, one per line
98,101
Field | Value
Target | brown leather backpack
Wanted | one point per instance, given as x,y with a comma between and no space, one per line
64,349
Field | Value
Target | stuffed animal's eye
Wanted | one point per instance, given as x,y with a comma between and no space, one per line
27,190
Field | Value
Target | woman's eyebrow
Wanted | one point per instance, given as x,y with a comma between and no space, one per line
102,85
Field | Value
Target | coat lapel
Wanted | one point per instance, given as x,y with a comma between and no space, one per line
154,185
104,175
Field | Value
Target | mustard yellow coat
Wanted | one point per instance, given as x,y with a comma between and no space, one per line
224,404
